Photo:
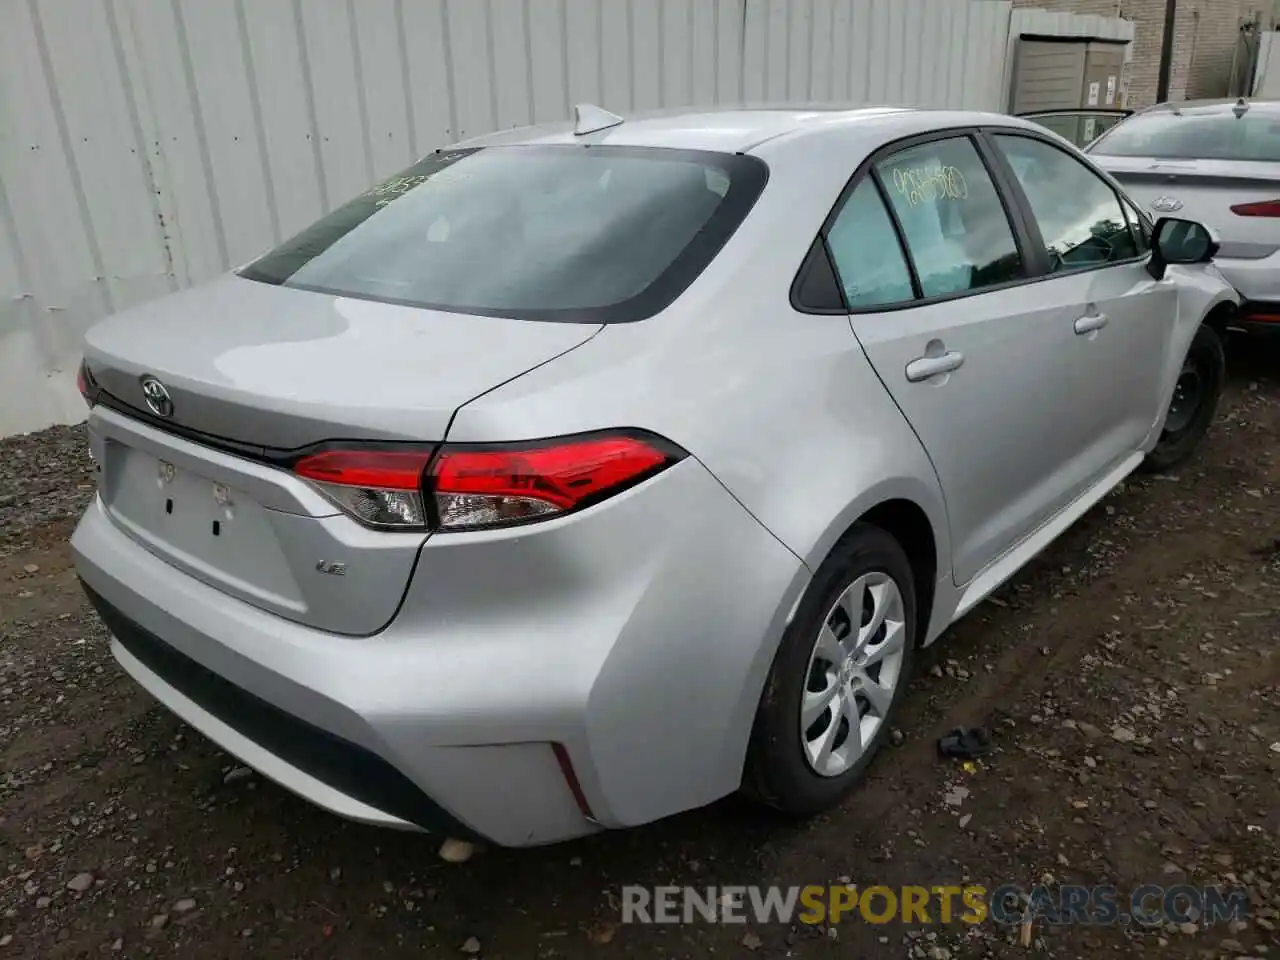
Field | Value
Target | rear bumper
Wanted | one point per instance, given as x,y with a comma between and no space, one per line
1259,316
636,636
1254,280
338,774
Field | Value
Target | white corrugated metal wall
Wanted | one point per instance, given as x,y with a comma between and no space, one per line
149,144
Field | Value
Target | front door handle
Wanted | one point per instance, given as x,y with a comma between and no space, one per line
1089,324
922,368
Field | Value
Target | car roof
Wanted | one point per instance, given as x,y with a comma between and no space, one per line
1210,108
742,128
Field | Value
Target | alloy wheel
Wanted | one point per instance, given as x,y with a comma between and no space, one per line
853,673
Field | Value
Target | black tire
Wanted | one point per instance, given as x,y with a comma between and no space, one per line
1206,365
778,772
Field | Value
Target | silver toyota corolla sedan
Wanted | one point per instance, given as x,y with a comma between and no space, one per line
1217,162
584,474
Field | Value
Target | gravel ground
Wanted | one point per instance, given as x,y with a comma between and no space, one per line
1130,678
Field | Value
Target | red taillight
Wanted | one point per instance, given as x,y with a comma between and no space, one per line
495,485
501,485
383,469
1263,208
381,488
85,384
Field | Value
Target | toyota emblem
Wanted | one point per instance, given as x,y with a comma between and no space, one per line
157,397
1166,204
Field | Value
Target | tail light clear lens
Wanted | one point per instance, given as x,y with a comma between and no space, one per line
497,486
1263,208
379,488
466,487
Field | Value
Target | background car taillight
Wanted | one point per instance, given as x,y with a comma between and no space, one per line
474,487
1263,208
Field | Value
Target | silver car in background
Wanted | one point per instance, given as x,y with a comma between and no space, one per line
1216,162
584,474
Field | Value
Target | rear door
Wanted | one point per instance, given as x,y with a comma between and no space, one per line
976,356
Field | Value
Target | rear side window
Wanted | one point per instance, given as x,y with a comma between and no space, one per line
955,225
1193,134
1079,214
582,233
866,253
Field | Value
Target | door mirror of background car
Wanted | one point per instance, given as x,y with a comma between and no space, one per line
1180,241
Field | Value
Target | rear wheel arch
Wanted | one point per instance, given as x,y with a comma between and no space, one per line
917,533
906,522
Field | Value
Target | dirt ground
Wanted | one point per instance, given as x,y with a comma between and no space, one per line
1130,678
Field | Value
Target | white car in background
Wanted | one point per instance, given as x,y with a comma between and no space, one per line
1216,162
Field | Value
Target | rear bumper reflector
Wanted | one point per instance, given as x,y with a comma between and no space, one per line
571,779
1260,312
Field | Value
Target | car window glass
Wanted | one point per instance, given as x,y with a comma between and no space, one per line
1140,226
1196,133
1079,215
544,232
955,226
866,252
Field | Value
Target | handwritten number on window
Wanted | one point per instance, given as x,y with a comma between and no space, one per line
930,183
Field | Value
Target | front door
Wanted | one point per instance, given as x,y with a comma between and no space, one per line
1096,253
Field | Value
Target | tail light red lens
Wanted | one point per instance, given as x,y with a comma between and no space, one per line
1263,208
471,487
501,485
379,488
85,384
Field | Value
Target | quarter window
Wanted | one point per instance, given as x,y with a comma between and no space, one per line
955,226
1081,220
864,246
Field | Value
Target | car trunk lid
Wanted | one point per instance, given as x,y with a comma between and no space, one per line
254,371
282,368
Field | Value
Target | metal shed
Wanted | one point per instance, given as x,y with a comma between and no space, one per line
149,144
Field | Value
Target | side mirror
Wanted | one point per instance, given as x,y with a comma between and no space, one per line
1180,241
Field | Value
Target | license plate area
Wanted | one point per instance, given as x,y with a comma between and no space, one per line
188,510
208,528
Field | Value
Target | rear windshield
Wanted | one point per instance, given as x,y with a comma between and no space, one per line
1190,135
580,233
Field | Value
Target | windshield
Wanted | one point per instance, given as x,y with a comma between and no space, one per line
586,233
1195,135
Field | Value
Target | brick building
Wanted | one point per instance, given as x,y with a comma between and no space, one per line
1207,42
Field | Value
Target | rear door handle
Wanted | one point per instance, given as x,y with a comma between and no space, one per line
922,368
1089,324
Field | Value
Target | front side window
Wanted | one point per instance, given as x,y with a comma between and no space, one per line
590,233
955,226
1141,226
1079,214
865,249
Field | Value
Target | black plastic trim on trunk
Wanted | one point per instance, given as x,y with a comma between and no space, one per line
338,763
249,451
